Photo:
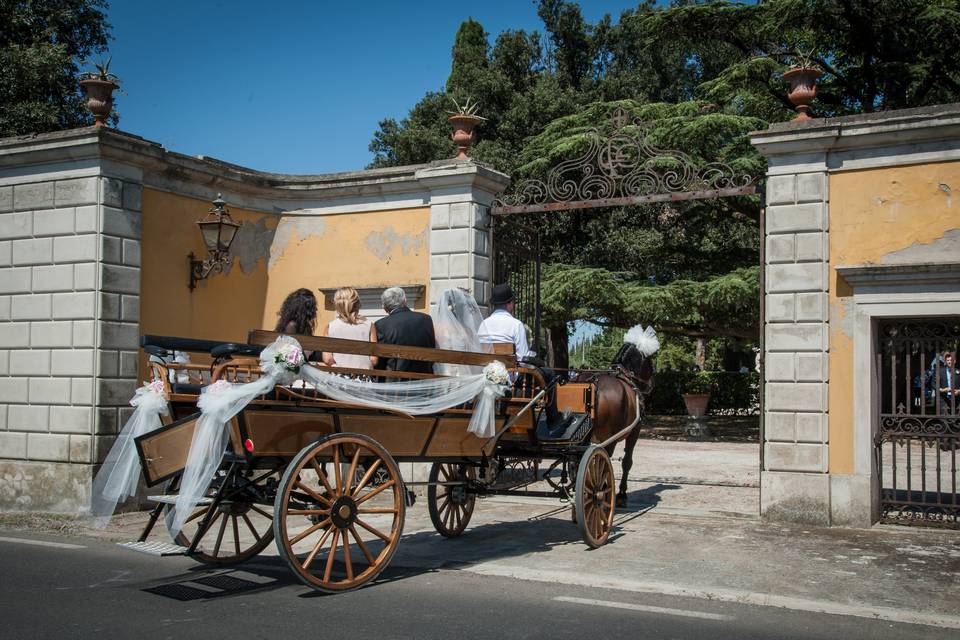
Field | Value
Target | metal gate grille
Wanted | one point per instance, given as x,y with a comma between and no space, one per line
919,429
516,260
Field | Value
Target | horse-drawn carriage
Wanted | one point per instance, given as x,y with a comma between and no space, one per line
322,476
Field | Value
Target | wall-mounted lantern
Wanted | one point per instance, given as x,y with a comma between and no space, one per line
218,230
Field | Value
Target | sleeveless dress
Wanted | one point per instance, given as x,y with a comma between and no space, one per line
360,331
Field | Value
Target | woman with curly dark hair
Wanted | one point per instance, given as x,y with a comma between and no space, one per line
298,315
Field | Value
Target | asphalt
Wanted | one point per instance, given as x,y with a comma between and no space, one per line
88,588
691,532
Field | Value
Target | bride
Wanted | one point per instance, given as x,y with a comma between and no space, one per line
455,322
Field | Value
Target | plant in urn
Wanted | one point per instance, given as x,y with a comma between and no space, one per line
99,86
464,119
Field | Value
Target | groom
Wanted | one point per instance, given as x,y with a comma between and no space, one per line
401,326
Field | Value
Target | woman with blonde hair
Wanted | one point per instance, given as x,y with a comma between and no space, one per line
349,324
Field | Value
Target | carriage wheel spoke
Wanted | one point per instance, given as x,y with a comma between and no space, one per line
444,506
223,525
250,526
307,512
377,510
350,474
303,534
385,485
346,552
265,514
313,494
366,478
444,469
336,468
363,547
372,530
316,548
236,535
333,549
196,515
322,477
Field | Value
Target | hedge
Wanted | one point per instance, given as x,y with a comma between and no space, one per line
730,392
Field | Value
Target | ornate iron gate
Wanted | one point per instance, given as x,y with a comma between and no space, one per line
919,426
516,260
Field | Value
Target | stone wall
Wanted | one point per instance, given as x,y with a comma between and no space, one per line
69,285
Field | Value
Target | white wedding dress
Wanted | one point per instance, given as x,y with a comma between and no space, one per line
456,321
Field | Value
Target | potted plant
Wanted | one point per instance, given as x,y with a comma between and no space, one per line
464,120
802,76
99,86
697,397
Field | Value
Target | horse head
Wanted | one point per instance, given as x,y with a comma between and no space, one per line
633,358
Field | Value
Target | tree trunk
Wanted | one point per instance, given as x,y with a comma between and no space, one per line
701,357
559,356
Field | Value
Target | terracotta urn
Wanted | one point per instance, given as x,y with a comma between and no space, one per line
803,89
463,132
696,404
99,98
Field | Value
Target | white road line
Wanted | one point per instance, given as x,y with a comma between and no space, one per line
43,543
737,596
646,608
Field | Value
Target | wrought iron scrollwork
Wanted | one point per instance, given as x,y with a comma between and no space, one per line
624,168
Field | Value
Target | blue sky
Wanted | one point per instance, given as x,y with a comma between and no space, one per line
290,86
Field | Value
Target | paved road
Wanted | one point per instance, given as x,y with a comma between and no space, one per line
61,587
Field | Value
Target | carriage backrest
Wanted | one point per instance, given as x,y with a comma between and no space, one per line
361,347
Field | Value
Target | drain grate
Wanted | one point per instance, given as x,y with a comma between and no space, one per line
214,586
226,583
179,592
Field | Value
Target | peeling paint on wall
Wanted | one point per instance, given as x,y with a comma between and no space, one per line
294,228
252,243
384,244
946,248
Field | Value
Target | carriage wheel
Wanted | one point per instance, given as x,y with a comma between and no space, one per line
595,496
450,506
241,525
335,531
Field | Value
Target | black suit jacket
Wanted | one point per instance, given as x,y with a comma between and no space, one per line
408,328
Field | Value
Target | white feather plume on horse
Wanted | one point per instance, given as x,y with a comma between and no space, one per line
645,340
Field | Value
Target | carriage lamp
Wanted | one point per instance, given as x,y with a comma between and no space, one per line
218,230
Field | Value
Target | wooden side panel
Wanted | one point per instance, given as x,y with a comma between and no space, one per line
400,436
285,433
452,439
574,396
163,453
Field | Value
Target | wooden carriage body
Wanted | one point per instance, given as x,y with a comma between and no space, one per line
292,433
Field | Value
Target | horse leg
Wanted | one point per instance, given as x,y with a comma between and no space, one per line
629,443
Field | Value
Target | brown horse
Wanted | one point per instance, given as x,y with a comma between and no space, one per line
618,391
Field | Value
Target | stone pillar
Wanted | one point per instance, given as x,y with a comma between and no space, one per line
69,284
460,197
794,481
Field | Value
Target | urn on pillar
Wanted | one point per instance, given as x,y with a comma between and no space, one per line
99,86
803,89
464,120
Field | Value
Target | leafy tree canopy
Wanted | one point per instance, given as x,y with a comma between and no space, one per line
41,44
701,74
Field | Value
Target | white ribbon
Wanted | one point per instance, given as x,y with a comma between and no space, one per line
119,476
282,363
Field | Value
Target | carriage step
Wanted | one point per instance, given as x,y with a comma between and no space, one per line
159,549
172,499
574,430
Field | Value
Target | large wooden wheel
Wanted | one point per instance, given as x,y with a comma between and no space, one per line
241,525
335,531
450,505
595,496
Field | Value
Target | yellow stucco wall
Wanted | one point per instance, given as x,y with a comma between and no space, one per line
223,307
368,249
273,256
873,214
